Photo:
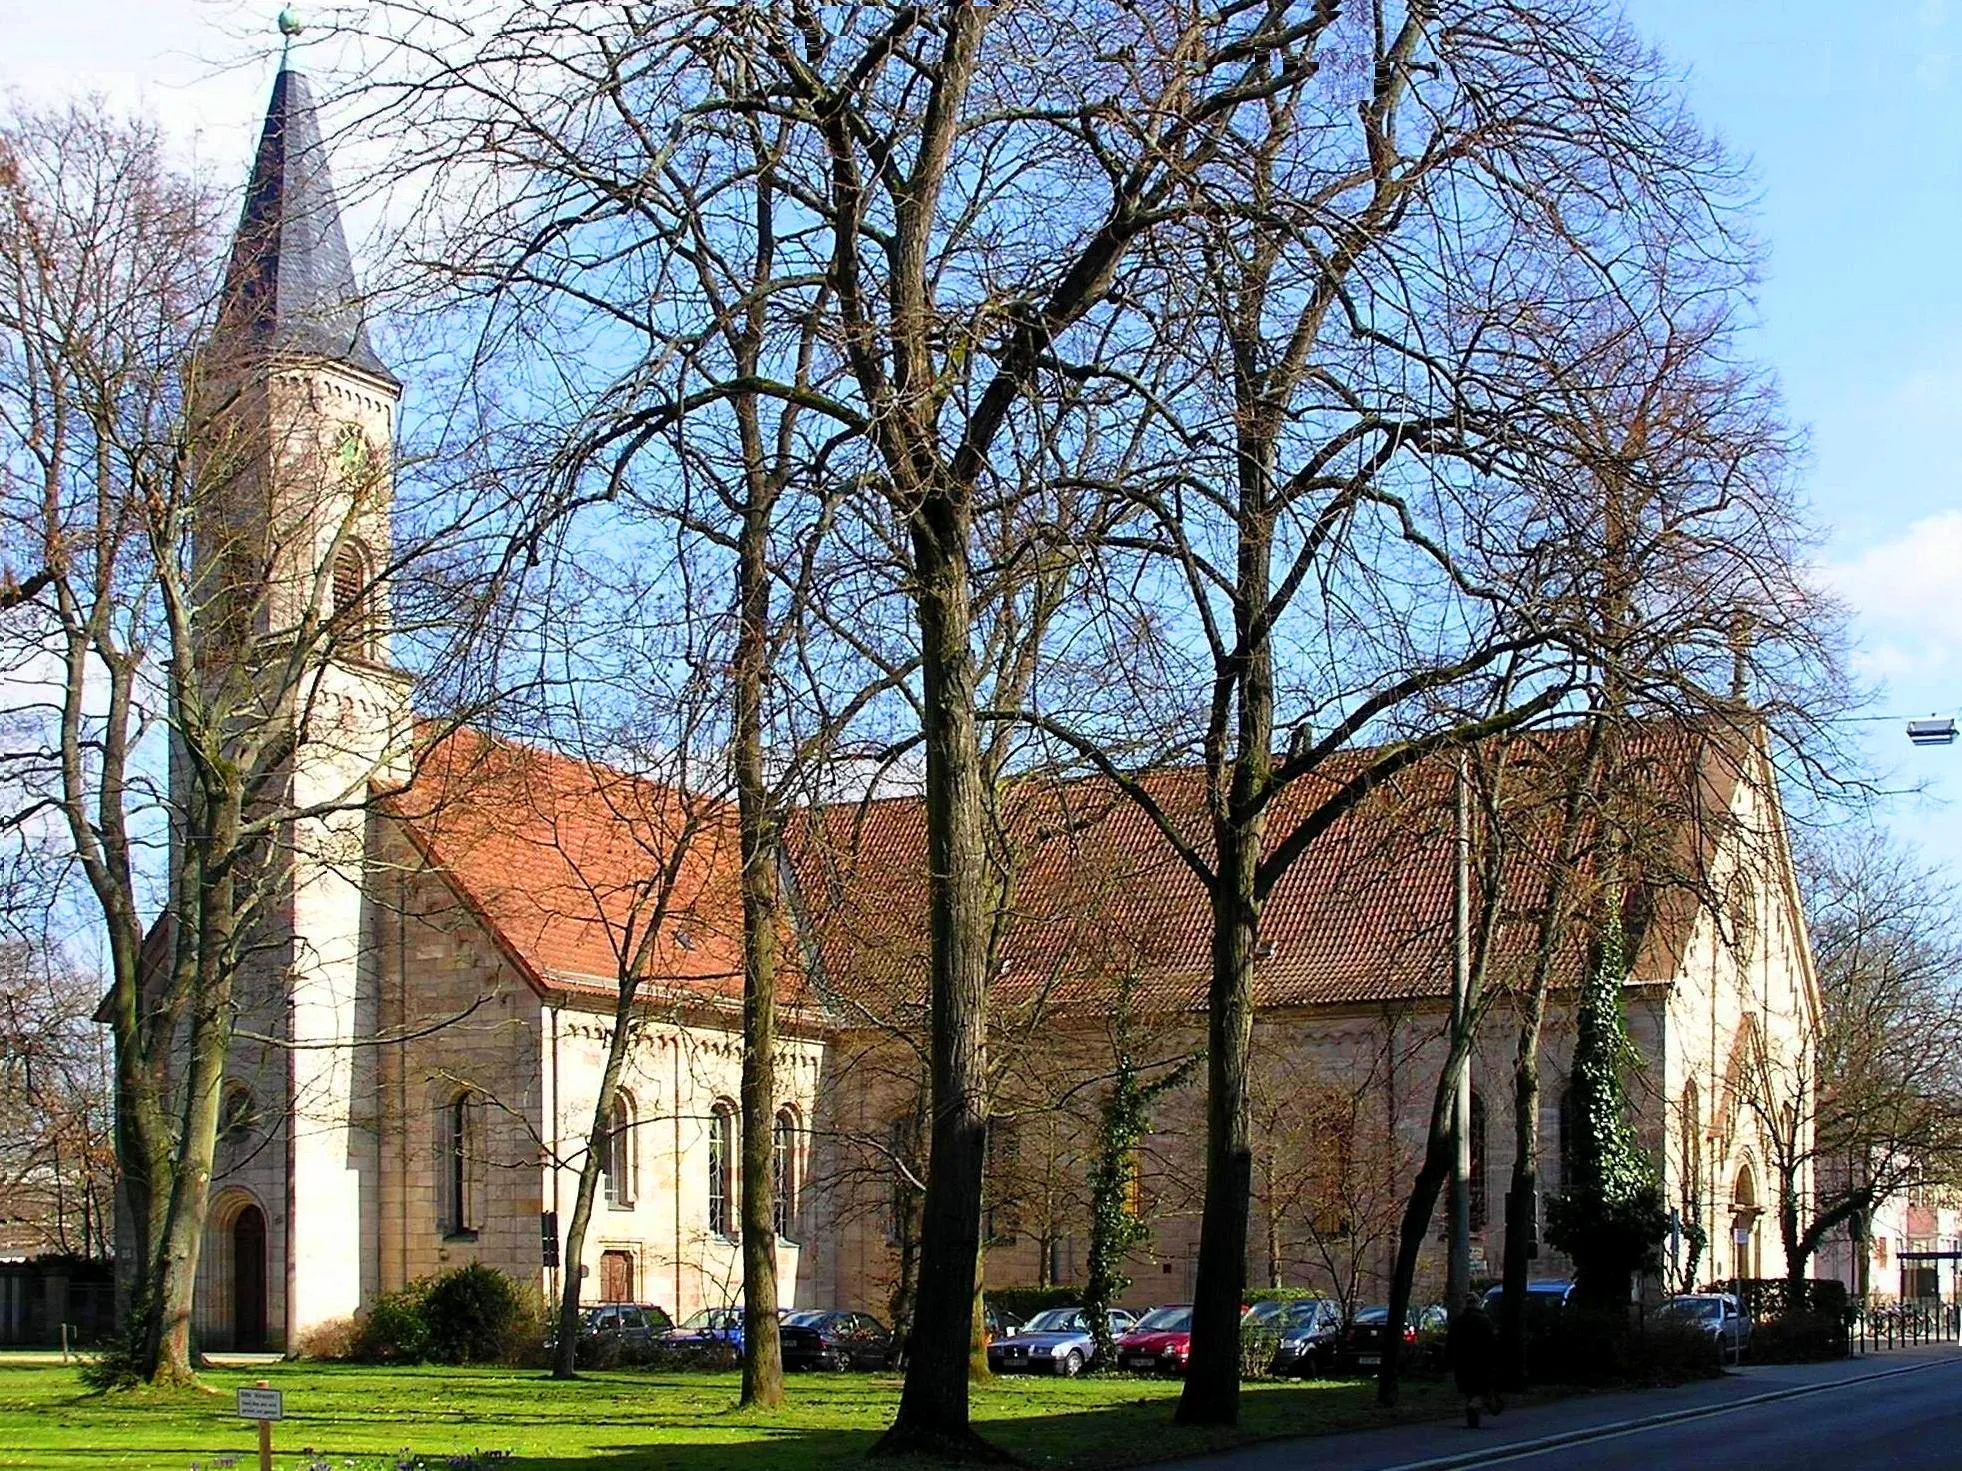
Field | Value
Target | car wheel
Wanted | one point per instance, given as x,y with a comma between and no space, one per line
1071,1366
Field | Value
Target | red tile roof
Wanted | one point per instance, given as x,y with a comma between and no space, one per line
567,861
562,860
1364,915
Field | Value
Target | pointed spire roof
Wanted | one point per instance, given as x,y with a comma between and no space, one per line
290,286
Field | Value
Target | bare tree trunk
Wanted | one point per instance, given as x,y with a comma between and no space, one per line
762,1346
599,1140
933,1407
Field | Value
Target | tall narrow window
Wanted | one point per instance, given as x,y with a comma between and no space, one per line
783,1170
1570,1127
618,1164
1476,1193
1692,1148
352,607
1001,1218
721,1170
456,1166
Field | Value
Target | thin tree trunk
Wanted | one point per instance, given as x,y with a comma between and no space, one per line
599,1137
762,1346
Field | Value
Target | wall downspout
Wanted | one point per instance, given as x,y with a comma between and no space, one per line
674,1055
555,1278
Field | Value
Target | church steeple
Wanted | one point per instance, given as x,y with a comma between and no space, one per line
290,287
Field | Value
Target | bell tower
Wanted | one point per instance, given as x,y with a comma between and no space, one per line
293,552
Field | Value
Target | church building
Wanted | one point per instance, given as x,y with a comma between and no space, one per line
425,1026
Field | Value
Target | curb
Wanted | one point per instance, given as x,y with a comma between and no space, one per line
1518,1450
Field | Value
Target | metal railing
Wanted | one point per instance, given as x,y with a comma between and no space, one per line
1878,1326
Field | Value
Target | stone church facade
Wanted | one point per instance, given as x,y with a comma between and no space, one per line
437,988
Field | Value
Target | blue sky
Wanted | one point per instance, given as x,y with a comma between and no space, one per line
1851,117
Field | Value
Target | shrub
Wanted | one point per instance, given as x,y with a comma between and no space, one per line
1281,1294
1025,1302
1799,1338
1259,1342
334,1339
395,1329
475,1315
1582,1346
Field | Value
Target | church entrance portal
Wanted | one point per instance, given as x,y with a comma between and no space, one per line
249,1279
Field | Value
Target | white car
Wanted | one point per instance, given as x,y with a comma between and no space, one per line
1718,1314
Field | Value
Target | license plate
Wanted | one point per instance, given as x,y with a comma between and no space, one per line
1369,1361
1141,1363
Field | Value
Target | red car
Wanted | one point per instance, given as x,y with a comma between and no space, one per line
1159,1344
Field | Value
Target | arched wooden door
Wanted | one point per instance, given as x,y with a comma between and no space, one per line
249,1278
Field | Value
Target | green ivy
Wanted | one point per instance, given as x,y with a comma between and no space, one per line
1114,1229
1609,1218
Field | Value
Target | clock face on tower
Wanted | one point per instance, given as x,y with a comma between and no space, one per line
355,459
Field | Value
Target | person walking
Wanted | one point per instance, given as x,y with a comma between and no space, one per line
1472,1344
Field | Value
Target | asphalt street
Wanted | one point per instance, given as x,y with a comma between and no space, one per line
1912,1422
1898,1409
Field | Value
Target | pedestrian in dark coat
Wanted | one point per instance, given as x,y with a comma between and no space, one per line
1472,1344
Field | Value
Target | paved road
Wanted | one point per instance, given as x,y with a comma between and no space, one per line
1900,1409
1912,1422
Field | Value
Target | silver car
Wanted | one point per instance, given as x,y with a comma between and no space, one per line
1718,1314
1058,1341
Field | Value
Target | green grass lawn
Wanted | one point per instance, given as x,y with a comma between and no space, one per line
623,1421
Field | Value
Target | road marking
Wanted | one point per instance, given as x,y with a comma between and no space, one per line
1526,1450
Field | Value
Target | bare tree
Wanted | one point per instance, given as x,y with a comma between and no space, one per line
1865,1101
194,578
56,1123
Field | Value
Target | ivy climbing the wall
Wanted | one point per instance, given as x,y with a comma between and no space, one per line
1609,1217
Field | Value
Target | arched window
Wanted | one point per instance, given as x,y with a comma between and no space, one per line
237,1114
352,611
619,1161
458,1145
783,1170
722,1169
1692,1146
1570,1129
1476,1193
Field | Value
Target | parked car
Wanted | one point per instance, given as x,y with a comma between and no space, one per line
1309,1329
617,1332
709,1328
1361,1344
829,1338
1058,1341
1544,1296
1719,1315
1158,1343
625,1322
998,1322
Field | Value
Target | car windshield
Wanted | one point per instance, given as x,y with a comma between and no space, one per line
713,1318
1299,1314
1703,1310
806,1318
1373,1315
1165,1320
1262,1312
1056,1320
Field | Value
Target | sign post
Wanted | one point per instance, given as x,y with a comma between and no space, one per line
265,1405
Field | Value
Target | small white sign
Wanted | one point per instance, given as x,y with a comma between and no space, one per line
260,1404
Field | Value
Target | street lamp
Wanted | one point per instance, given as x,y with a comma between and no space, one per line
1932,732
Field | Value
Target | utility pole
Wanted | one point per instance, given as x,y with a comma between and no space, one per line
1457,1278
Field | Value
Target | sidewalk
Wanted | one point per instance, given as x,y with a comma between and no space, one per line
1437,1445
